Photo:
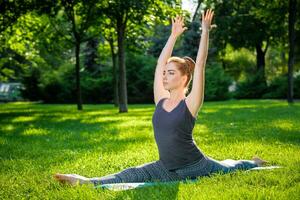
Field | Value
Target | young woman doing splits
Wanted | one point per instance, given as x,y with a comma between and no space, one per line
173,121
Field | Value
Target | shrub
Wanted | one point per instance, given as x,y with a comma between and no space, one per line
216,83
278,88
253,87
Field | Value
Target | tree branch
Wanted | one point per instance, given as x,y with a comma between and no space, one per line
60,33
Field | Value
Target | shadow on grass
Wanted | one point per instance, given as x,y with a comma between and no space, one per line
93,129
258,124
152,192
55,130
33,133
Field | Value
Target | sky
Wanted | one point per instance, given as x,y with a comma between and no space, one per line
189,5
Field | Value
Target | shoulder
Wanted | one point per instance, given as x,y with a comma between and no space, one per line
160,100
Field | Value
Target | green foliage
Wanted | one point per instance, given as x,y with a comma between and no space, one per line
237,62
140,75
97,89
216,83
36,49
278,88
248,23
191,39
252,87
30,80
12,10
161,34
58,86
297,87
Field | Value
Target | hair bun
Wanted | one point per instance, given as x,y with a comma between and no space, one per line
190,63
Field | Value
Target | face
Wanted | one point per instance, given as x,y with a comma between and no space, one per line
172,78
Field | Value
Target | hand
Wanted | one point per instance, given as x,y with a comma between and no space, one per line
206,20
178,26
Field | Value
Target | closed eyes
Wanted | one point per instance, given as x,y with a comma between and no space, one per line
172,73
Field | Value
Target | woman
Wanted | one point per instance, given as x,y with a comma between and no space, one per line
174,119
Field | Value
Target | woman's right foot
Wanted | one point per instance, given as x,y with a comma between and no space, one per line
72,179
260,162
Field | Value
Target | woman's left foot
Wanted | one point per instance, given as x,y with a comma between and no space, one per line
72,179
260,162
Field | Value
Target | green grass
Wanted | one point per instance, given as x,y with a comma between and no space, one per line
39,140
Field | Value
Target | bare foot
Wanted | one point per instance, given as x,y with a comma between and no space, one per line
72,179
260,162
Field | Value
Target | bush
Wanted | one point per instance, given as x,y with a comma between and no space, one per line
30,80
297,87
252,88
97,90
140,75
278,88
216,83
58,86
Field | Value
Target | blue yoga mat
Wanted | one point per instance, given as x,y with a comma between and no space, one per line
128,186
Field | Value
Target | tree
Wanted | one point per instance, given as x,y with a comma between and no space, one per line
136,13
108,31
251,24
12,63
82,15
10,11
292,38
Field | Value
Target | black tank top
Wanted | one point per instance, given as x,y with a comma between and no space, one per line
173,136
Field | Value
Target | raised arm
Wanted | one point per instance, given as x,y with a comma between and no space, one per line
158,88
195,99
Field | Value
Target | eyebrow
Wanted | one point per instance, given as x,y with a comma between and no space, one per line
170,70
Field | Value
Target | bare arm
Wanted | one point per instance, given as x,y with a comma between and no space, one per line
158,88
195,98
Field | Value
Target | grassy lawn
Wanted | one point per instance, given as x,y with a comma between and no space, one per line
38,140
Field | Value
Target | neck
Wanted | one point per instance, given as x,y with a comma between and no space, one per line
176,95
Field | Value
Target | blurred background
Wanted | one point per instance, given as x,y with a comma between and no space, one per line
82,52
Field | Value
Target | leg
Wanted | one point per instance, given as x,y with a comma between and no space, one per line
207,166
153,171
230,165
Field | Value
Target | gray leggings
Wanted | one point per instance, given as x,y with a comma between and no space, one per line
156,171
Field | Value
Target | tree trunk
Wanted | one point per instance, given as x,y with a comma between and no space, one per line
292,38
260,61
122,67
115,73
196,11
78,90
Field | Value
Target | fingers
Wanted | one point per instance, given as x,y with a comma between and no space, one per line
178,19
207,15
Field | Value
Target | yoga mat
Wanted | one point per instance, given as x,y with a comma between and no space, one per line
129,186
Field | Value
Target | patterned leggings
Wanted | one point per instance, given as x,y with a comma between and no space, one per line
156,171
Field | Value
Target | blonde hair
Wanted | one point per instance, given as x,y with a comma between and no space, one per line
186,66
